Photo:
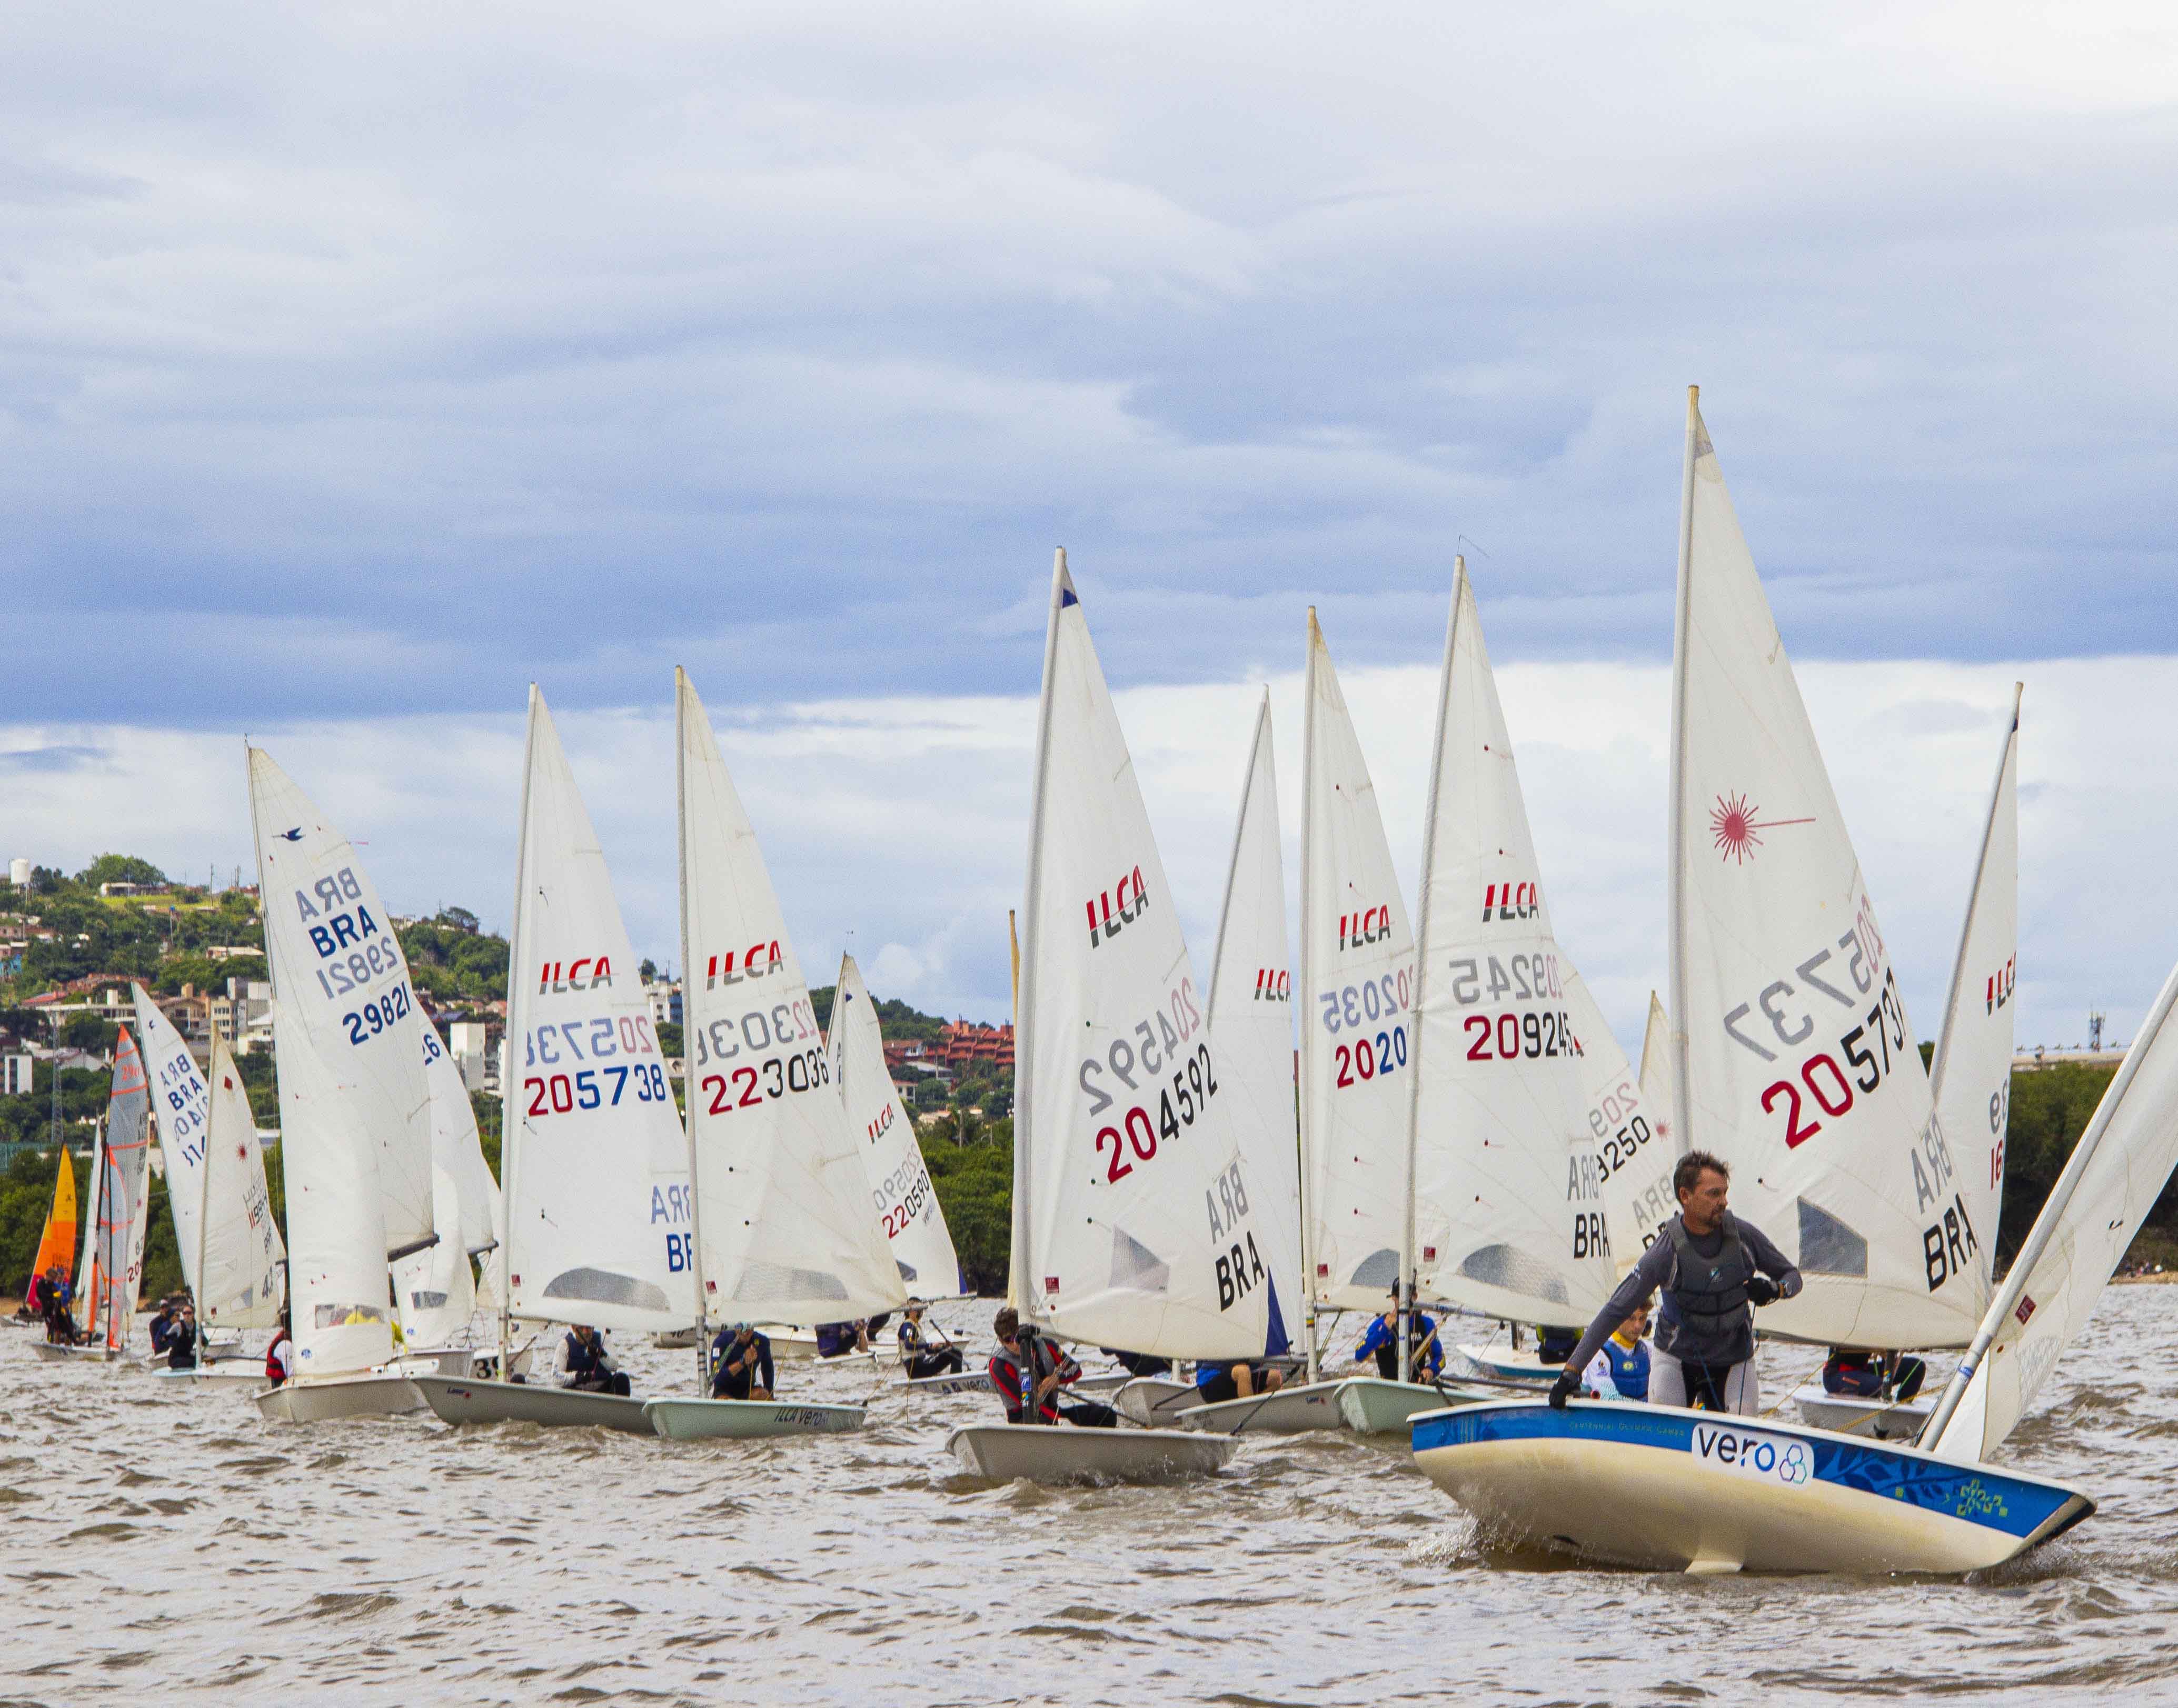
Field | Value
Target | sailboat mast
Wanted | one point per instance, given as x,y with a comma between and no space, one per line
688,1014
204,1196
1675,846
1307,987
264,918
510,1104
2007,1297
1027,1294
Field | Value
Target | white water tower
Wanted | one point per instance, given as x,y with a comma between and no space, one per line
18,872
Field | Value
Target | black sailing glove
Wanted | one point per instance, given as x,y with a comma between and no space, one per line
1564,1388
1762,1291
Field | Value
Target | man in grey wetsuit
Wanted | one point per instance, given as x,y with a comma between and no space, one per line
1712,1270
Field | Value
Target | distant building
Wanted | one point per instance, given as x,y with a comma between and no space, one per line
18,872
190,1013
665,997
229,951
469,1043
15,1076
128,889
243,1013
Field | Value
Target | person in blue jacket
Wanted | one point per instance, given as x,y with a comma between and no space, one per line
1382,1342
1620,1371
741,1363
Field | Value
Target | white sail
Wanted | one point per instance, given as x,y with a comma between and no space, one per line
1795,1061
1250,1014
125,1197
1134,1223
85,1306
336,1268
1357,982
593,1162
783,1205
458,1152
338,971
434,1289
900,1189
2111,1181
1634,1153
1508,1197
244,1260
183,1105
1971,1075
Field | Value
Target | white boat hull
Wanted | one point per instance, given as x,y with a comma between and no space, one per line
1152,1401
1373,1406
971,1381
321,1400
1289,1411
458,1399
60,1354
743,1420
227,1370
1506,1365
1664,1489
1060,1452
1848,1414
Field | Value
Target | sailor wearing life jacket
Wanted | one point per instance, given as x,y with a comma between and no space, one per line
1621,1370
1712,1270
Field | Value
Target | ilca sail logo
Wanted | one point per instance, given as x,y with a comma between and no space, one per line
1737,831
1115,908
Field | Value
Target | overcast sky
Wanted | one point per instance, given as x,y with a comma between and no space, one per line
358,365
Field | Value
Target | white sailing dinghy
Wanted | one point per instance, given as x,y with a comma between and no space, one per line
1507,1189
1134,1220
434,1289
354,1117
233,1256
1971,1076
596,1224
781,1197
1795,1062
113,1248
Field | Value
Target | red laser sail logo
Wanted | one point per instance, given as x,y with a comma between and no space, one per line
1738,832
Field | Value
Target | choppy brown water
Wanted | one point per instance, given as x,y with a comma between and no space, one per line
162,1541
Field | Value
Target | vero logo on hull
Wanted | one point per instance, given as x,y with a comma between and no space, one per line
1774,1459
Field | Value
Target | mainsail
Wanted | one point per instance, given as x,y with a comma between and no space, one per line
1250,1015
2109,1184
117,1268
1357,959
1134,1221
338,971
434,1289
594,1167
784,1219
183,1107
86,1295
1971,1075
56,1243
1633,1157
1796,1062
900,1189
1508,1198
243,1261
457,1152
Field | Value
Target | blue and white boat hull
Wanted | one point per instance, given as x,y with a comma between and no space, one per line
1661,1488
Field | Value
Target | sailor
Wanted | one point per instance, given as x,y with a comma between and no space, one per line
741,1363
162,1326
584,1363
182,1339
923,1356
1138,1363
280,1355
1621,1370
1217,1383
53,1298
837,1339
1383,1339
1713,1270
1874,1375
1053,1371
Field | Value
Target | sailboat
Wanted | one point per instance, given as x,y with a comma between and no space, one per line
434,1289
595,1219
231,1254
354,1115
57,1240
113,1249
1793,1060
1970,1079
788,1233
901,1191
85,1296
1133,1217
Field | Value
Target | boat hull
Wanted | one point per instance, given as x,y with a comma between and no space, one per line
1289,1411
60,1354
1061,1454
227,1370
1848,1414
1373,1406
967,1382
744,1419
1506,1366
460,1400
323,1400
1153,1401
1665,1489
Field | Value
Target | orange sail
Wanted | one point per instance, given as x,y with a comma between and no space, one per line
57,1244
